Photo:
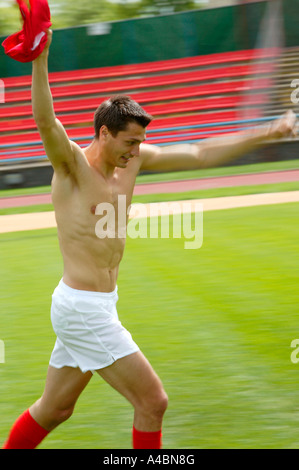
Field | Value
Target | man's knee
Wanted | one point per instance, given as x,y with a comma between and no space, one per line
162,402
61,415
50,416
154,403
57,416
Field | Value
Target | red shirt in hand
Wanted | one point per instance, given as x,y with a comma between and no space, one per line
28,44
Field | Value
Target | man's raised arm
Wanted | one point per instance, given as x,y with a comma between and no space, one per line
215,152
58,147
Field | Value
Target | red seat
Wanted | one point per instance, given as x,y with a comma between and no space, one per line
148,67
33,138
125,86
181,94
155,110
144,97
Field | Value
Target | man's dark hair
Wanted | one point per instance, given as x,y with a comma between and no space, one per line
117,112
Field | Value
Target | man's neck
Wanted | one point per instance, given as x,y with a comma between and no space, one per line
96,158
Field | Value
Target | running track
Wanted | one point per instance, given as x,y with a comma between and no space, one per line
175,186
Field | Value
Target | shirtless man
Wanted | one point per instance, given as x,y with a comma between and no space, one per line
89,335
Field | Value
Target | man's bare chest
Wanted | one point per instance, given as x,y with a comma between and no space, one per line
80,205
114,194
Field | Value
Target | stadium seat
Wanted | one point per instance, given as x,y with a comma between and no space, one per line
190,99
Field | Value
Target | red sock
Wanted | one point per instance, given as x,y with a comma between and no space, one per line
26,433
147,440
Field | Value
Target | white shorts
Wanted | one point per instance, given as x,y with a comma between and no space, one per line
89,333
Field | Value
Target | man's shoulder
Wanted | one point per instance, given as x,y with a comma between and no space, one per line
79,154
80,167
70,175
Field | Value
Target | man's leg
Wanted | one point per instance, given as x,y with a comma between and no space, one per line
134,378
63,388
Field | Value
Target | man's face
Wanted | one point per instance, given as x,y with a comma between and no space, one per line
120,149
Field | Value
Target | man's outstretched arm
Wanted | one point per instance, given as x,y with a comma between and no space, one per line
215,152
58,147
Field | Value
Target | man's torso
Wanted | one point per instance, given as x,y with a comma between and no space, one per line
91,256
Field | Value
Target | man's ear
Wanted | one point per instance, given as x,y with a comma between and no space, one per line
104,132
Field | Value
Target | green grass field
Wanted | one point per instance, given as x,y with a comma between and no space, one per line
216,323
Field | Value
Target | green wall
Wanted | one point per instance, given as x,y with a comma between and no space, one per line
159,38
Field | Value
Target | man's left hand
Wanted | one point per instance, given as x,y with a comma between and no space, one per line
283,127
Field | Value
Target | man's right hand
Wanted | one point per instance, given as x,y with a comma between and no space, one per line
49,33
45,52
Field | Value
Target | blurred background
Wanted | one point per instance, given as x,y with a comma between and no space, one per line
66,13
201,68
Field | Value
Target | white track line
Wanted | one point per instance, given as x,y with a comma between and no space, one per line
42,220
